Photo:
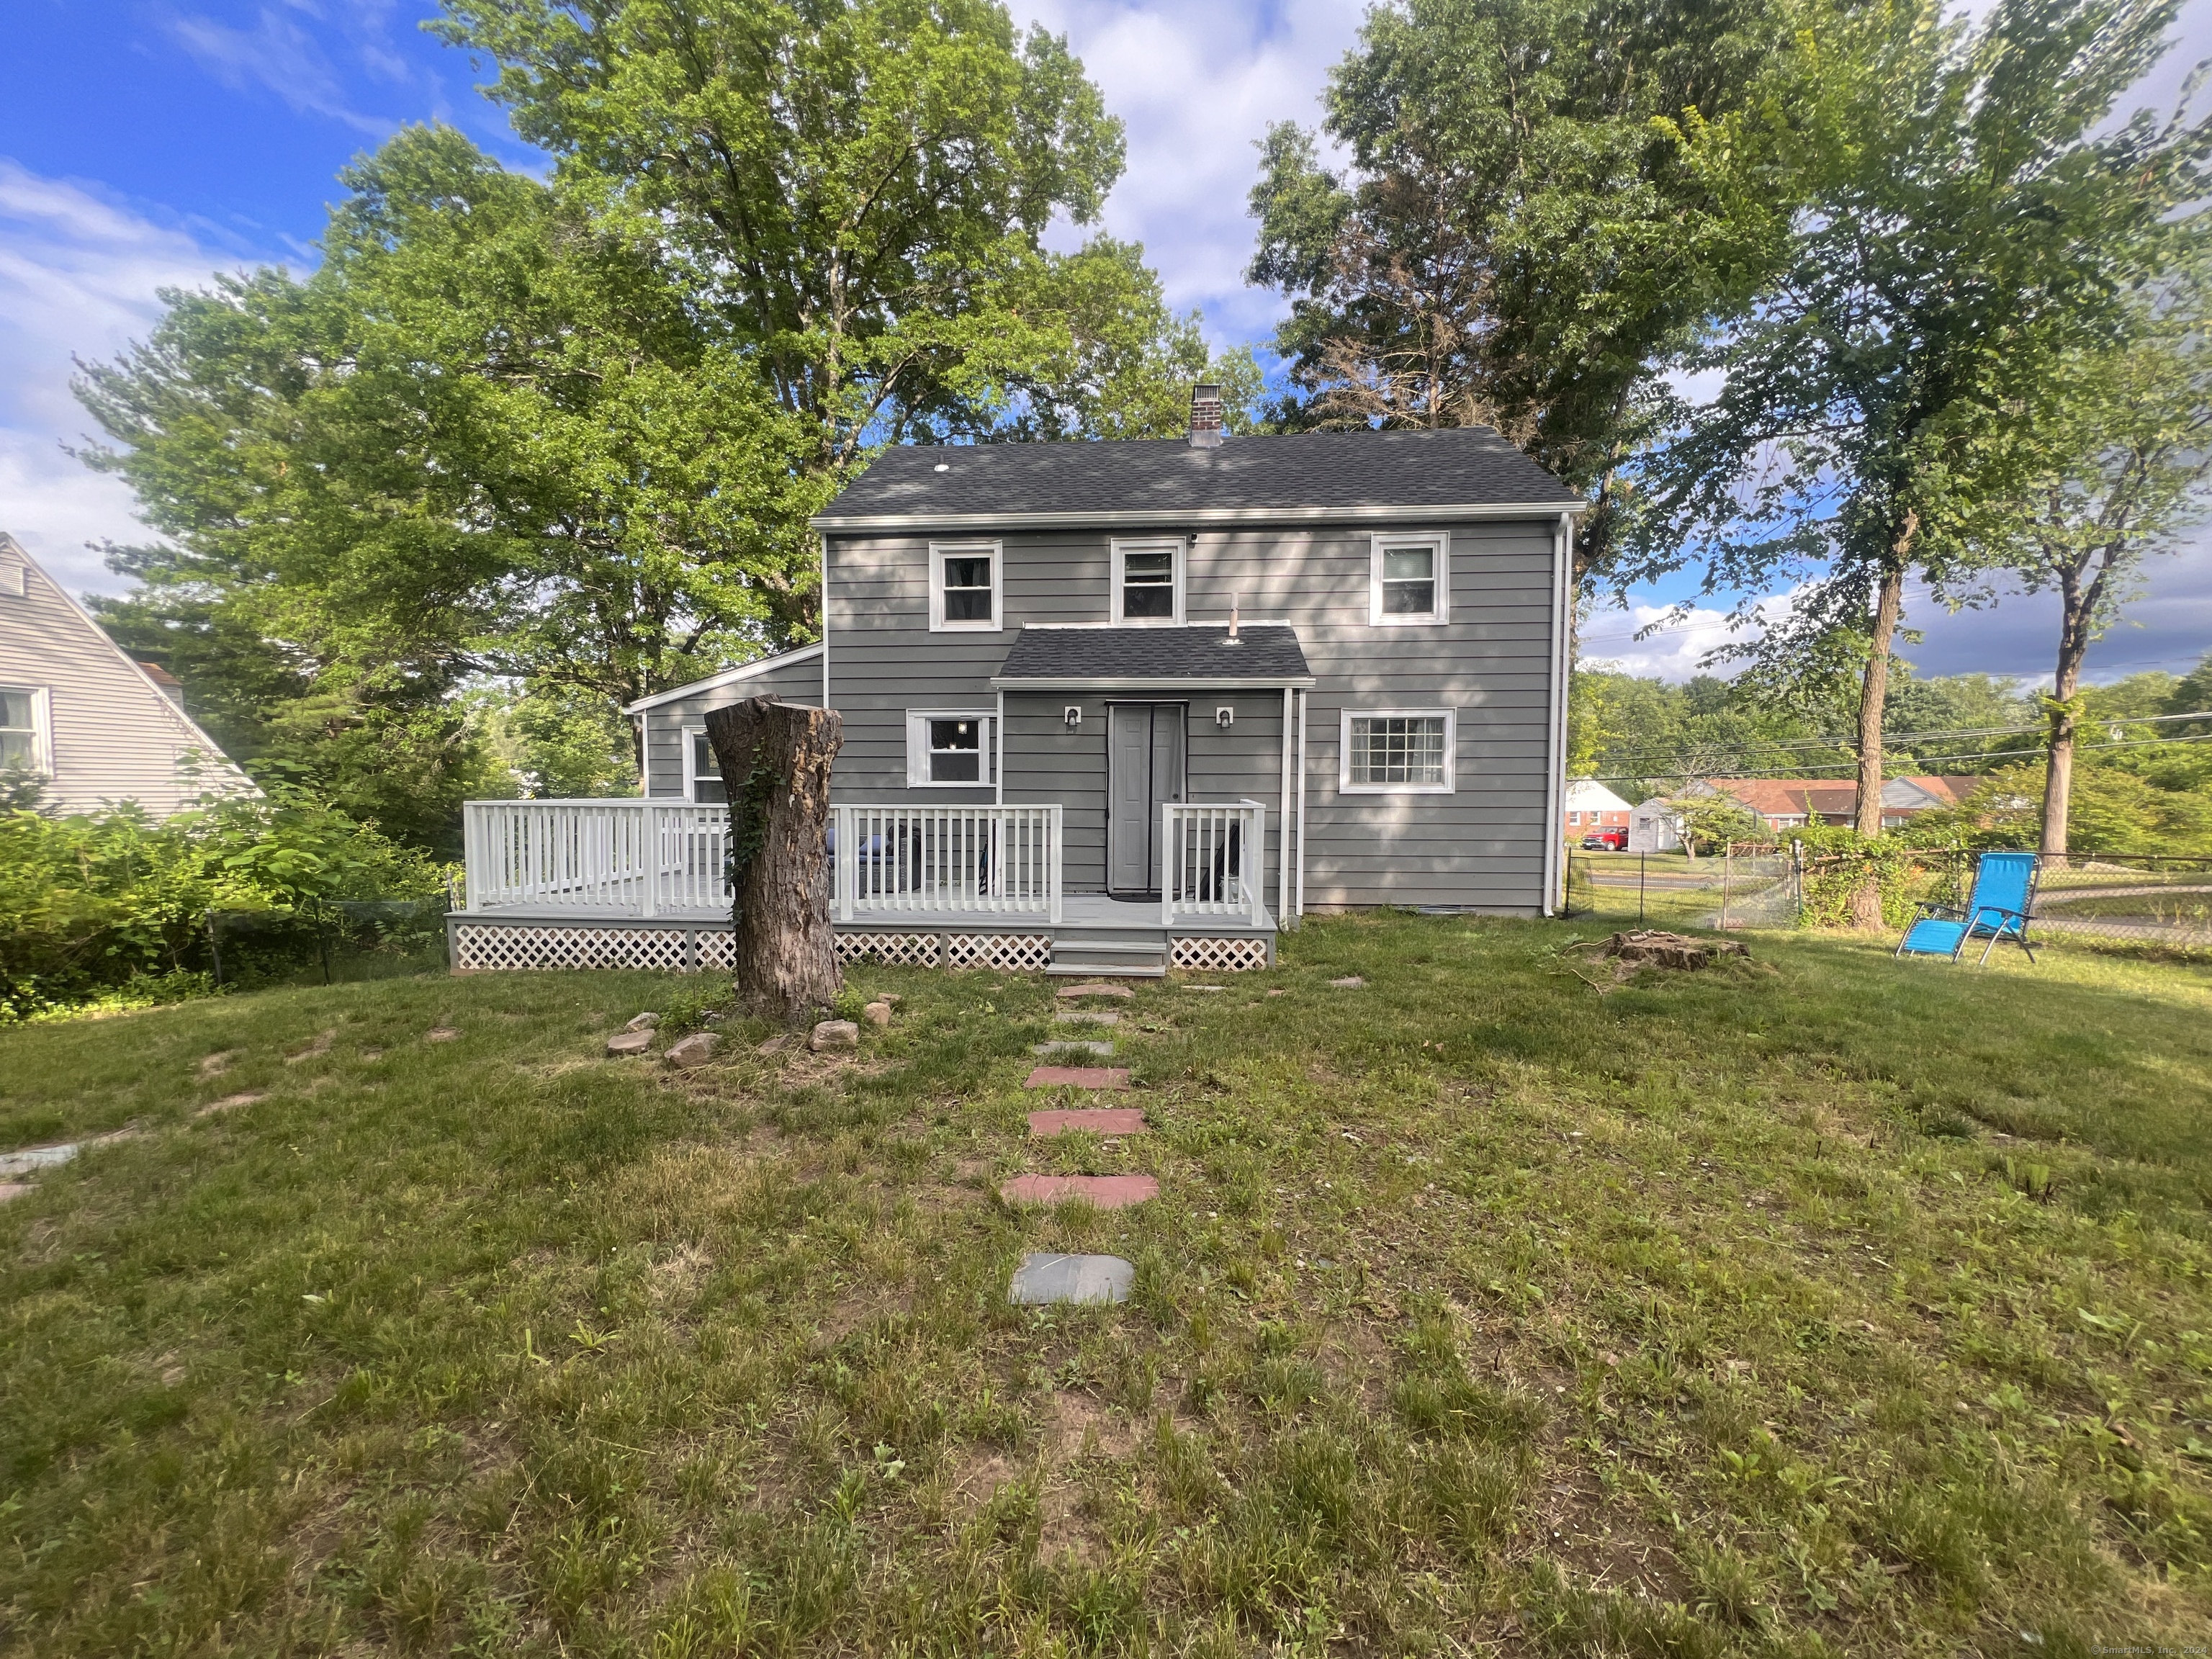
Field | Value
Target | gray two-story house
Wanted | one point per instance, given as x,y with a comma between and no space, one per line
1131,705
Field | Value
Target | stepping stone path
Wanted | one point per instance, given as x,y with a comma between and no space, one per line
440,1034
227,1103
1105,1120
1106,1192
1078,1076
1095,988
1045,1279
1206,988
1349,982
629,1042
1085,1017
1102,1050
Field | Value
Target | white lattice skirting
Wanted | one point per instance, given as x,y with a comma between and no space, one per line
899,949
488,949
1020,952
1218,955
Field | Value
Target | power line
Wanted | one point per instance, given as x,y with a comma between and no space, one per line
1991,754
1757,745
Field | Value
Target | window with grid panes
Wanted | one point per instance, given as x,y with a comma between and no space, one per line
1403,749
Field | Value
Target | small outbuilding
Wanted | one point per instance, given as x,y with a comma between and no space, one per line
1656,827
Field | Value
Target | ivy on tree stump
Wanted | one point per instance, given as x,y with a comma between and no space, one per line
774,759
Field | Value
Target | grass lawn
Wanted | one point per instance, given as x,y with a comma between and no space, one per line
1820,1304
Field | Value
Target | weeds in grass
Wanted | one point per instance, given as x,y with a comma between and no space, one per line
1841,1308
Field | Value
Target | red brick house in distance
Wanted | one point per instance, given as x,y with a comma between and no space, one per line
1794,803
1591,806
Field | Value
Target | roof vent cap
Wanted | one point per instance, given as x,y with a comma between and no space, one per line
1206,416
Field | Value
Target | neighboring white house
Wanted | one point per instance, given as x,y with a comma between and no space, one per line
93,727
1656,827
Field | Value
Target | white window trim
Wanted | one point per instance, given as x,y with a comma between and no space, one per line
42,729
938,552
917,746
1440,542
1123,549
1345,786
692,774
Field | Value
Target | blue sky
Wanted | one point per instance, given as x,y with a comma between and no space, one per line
148,144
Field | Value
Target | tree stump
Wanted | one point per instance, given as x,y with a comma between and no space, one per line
774,759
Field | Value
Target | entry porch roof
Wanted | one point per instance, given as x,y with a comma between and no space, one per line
1264,656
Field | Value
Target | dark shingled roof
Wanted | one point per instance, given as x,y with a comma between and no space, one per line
1167,482
1264,651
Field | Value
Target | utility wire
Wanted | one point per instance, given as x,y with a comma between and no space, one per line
1805,771
1756,746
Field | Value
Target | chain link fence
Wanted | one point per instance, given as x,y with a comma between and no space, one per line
2151,905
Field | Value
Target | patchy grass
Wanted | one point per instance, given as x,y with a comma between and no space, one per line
1821,1304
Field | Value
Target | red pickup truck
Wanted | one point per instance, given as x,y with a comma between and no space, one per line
1606,841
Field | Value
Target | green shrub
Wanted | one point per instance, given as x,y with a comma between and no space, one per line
92,903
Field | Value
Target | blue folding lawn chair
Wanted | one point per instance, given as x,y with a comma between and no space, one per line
2002,904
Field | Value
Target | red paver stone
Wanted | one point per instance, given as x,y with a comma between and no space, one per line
1078,1076
1105,1120
1107,1192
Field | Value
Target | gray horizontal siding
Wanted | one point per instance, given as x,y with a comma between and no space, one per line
1492,663
795,683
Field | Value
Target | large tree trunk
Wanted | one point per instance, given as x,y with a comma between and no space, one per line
774,759
1873,703
2077,613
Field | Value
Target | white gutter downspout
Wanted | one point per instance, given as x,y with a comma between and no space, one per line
826,704
1283,853
1298,898
1556,771
999,762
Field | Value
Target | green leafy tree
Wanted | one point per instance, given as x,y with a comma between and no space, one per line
1969,218
2106,462
1519,237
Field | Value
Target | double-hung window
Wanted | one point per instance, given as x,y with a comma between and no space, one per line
702,773
948,747
1410,581
23,730
1148,581
966,585
1398,751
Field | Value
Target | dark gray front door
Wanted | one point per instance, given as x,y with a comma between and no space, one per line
1144,768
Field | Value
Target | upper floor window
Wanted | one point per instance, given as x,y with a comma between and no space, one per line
966,585
1398,750
22,748
1148,581
1410,580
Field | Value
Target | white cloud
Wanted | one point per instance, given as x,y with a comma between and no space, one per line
1196,86
276,55
78,275
1675,652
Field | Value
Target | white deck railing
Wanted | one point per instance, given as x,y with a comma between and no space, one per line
971,860
1214,862
651,857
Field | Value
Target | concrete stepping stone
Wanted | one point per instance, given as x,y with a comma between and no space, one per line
1349,982
1085,1017
1074,1046
1095,988
1206,988
629,1042
695,1050
1045,1279
227,1102
1078,1076
1105,1120
1106,1192
47,1157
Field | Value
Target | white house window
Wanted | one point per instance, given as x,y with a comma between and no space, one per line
1398,750
966,585
703,774
1148,581
1410,581
948,747
22,725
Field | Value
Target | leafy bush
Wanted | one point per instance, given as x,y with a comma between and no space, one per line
94,903
1838,861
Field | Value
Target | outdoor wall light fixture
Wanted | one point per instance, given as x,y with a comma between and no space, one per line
1071,716
1225,717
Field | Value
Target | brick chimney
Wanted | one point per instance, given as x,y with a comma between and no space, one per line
1206,416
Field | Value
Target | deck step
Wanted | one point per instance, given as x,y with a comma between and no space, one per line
1112,954
1111,970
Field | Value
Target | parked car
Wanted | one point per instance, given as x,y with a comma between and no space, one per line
1606,841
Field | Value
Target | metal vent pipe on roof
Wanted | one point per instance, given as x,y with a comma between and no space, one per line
1206,416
